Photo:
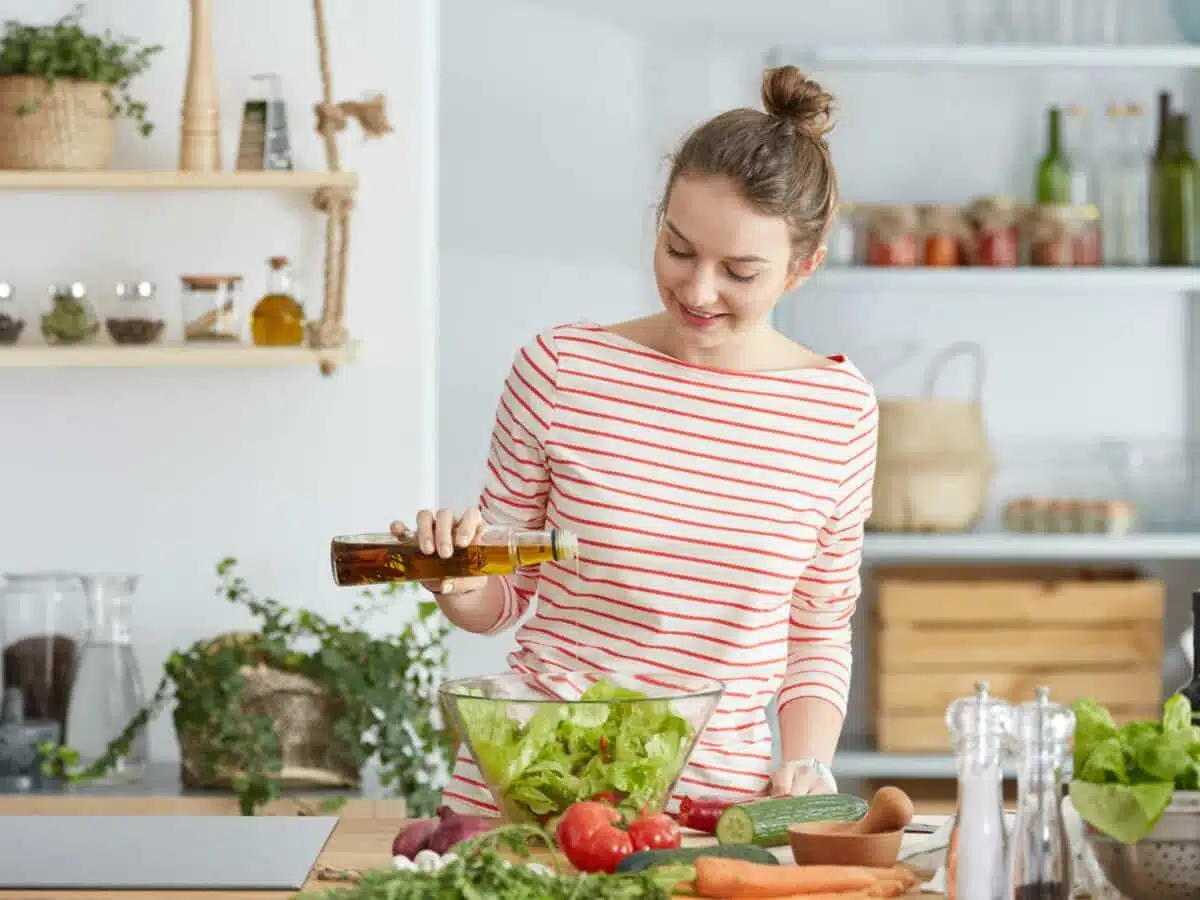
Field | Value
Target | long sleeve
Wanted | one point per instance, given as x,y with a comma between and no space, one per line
824,598
517,485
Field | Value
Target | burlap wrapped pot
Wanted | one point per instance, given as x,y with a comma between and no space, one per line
935,463
71,128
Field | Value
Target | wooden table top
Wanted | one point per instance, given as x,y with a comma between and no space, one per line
361,840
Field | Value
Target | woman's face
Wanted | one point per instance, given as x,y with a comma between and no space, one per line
721,266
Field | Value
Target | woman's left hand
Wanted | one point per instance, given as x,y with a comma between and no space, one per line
801,777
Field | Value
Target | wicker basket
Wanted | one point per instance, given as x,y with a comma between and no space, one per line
303,713
73,126
934,464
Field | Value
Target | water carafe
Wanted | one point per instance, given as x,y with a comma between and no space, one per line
107,690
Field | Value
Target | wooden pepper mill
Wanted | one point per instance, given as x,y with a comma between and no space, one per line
200,137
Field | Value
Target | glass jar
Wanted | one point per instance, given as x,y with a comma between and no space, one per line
12,323
842,243
997,232
946,234
212,307
893,238
1089,236
136,316
69,317
1054,235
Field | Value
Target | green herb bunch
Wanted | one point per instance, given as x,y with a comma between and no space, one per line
386,688
64,49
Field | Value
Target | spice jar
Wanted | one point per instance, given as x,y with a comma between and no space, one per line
1053,235
211,307
11,321
893,238
946,234
1089,236
997,223
69,319
136,317
841,245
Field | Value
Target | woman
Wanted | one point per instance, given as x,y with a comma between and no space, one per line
716,473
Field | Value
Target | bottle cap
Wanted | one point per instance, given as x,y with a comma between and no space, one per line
980,715
565,544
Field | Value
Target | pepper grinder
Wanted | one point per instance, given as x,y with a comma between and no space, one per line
976,857
1040,867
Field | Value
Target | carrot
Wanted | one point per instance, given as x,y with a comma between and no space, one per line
841,895
887,888
722,877
897,873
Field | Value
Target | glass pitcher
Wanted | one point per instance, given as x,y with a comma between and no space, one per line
41,630
108,690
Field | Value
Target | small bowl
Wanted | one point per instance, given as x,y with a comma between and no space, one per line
837,844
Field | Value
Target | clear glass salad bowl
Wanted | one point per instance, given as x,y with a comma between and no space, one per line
543,742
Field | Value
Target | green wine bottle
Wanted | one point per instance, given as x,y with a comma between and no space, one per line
1174,187
1054,169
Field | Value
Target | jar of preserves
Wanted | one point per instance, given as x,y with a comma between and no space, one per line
212,307
894,236
1053,235
946,234
997,232
1089,236
69,317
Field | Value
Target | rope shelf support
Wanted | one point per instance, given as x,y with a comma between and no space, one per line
337,202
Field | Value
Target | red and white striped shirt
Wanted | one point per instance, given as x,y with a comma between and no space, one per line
720,523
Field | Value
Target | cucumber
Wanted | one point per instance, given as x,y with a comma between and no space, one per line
764,823
647,859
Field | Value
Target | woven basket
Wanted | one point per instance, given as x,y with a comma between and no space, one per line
72,127
934,464
303,713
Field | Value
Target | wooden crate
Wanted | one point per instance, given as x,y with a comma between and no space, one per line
1080,632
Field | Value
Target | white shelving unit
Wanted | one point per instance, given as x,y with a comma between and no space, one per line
978,279
132,180
882,548
198,355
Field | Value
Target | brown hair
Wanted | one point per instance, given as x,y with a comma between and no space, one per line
779,158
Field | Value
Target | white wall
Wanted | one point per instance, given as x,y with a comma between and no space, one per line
165,472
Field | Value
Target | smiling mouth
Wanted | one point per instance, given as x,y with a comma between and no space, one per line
700,316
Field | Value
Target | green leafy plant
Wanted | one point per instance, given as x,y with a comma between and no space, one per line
386,686
64,49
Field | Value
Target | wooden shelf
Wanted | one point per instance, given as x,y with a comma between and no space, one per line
880,547
116,180
1116,56
980,279
171,356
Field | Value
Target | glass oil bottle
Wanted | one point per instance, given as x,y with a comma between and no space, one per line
360,559
1040,867
278,318
977,858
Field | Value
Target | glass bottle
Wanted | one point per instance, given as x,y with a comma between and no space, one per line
1054,170
976,858
69,319
1175,191
137,317
278,318
498,550
1081,158
108,691
1124,189
1040,865
12,323
1191,690
1155,160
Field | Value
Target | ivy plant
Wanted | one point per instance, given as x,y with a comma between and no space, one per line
64,49
387,687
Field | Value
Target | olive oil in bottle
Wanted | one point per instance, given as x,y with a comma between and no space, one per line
278,318
360,559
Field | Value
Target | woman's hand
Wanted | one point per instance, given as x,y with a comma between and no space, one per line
440,532
801,777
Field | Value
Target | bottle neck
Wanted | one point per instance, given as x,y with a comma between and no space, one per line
279,281
1164,117
1054,133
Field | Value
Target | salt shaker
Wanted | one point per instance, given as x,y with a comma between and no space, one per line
1040,865
977,858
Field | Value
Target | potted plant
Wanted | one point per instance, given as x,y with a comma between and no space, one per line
301,702
62,90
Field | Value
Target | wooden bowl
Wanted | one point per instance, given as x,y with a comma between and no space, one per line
839,844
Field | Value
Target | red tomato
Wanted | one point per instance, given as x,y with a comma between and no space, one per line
657,831
591,836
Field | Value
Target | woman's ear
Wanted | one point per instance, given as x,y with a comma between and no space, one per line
802,269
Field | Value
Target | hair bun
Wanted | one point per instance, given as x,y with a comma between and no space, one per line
790,95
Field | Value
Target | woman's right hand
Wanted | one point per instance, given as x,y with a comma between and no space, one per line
440,532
